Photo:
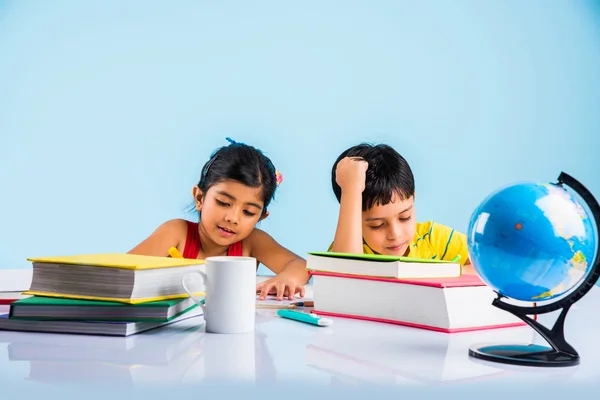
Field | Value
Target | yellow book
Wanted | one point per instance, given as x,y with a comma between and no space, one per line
112,299
126,278
117,260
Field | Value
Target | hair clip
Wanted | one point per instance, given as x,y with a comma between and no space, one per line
207,166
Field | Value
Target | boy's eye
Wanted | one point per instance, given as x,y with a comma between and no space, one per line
376,226
249,214
221,203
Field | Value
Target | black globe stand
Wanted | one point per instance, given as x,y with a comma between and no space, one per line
560,353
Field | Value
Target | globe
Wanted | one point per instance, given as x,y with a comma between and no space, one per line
535,242
532,241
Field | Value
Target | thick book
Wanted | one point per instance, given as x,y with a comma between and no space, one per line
382,265
54,308
126,278
441,304
110,328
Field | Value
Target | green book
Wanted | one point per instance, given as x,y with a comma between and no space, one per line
377,257
378,265
55,308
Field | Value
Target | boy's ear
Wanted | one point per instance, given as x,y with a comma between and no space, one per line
198,197
265,215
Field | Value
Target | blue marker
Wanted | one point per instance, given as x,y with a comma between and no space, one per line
304,317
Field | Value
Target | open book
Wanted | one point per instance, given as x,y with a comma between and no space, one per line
382,265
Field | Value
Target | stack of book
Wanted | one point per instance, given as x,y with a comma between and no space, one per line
105,294
420,293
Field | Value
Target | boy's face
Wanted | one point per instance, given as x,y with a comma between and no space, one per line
389,229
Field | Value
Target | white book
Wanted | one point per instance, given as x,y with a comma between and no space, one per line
382,266
441,304
15,280
88,327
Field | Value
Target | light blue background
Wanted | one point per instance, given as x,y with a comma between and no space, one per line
108,109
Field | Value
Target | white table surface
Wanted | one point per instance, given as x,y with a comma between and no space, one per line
349,355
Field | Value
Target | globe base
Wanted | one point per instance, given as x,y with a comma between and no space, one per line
524,354
560,354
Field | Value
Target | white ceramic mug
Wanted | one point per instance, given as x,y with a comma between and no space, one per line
230,287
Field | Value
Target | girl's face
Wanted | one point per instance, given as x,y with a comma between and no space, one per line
230,211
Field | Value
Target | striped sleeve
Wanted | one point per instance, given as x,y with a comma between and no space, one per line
448,243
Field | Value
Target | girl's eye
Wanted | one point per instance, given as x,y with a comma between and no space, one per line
405,219
249,214
222,204
376,227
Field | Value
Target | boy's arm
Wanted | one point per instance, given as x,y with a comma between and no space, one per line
468,268
350,175
348,234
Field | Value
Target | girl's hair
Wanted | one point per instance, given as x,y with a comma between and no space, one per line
242,163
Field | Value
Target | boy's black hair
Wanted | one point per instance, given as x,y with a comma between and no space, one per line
388,174
242,163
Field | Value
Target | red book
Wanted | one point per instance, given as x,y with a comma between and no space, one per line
9,297
441,304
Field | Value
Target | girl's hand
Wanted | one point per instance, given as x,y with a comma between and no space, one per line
287,283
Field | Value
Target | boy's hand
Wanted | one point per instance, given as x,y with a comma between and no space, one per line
287,283
350,173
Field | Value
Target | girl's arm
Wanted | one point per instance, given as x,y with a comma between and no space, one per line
289,267
161,240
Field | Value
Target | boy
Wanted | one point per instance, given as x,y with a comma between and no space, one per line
376,191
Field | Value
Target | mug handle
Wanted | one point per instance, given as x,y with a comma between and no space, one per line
201,303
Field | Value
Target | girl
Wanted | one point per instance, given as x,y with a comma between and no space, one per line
236,186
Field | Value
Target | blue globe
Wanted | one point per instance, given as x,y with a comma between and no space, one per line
531,241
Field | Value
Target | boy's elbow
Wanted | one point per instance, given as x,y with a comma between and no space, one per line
335,248
340,248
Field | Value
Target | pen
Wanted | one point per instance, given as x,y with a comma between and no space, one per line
276,306
308,303
304,317
456,259
175,253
